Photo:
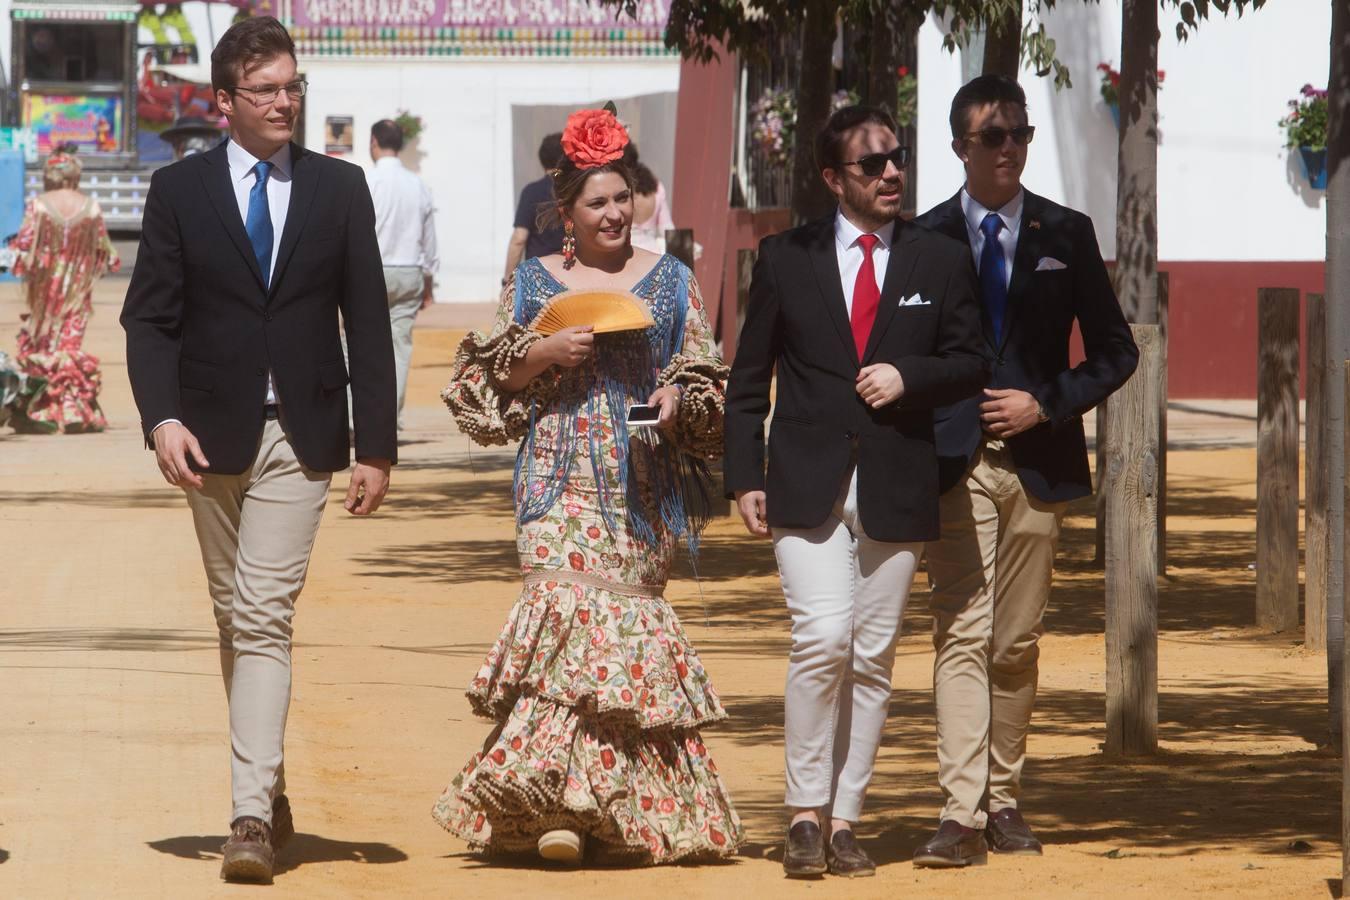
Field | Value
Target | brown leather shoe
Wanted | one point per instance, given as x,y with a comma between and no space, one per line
1009,833
846,858
283,826
804,855
953,847
248,852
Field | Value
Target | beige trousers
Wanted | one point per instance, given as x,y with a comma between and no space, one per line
256,531
990,573
846,593
404,285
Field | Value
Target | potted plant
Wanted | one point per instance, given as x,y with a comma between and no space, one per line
410,124
773,121
1305,127
1110,89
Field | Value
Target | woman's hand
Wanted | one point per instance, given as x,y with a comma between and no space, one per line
668,400
570,347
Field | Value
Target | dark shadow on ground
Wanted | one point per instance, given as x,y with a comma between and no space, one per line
4,856
302,850
155,498
87,639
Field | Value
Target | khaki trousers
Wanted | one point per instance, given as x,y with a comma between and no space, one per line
846,593
990,573
256,531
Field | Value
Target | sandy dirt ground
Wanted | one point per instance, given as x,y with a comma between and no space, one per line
113,722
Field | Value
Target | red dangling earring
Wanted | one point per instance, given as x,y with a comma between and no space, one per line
569,247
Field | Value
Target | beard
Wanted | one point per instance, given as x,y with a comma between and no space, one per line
864,200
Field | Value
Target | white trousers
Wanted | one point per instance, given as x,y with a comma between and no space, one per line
256,531
404,285
846,594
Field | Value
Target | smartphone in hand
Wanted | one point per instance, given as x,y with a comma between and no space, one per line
641,415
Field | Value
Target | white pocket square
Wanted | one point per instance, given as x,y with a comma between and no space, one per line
1049,264
916,300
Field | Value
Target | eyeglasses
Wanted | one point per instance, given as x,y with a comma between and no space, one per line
267,95
873,164
993,138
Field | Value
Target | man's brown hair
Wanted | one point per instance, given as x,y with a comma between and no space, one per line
246,45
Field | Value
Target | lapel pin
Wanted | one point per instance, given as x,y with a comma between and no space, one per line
1034,223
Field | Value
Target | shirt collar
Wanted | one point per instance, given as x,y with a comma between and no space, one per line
847,234
1011,213
388,162
242,162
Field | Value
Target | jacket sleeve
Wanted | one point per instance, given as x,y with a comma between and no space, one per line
365,316
955,369
747,402
1108,345
152,314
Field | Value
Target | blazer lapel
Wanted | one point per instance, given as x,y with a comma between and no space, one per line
1024,263
304,185
898,269
219,187
951,221
825,263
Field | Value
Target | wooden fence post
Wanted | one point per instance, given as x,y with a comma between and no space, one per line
1164,286
1277,460
1131,452
1316,550
745,267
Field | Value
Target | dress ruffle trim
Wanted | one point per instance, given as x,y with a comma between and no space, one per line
547,766
625,659
698,427
475,397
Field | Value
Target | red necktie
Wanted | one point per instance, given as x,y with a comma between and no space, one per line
866,296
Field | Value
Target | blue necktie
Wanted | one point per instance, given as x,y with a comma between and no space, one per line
993,273
259,222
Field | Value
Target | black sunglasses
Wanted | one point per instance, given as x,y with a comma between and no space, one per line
873,164
993,138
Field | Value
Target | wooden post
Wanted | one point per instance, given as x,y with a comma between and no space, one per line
1277,460
680,244
1131,563
745,267
1316,549
1163,289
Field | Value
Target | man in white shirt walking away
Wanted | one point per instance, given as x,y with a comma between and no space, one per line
406,228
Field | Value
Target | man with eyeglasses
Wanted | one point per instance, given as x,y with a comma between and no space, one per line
1010,462
870,322
248,252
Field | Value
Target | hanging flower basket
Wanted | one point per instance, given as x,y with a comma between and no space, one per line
1305,128
1110,89
1314,164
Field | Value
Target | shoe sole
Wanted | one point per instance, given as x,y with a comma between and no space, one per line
1024,851
942,862
858,873
806,870
248,868
561,847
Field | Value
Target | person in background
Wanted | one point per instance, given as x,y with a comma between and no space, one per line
530,240
61,250
405,225
651,209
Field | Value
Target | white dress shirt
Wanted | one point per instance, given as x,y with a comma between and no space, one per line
850,254
404,216
1011,214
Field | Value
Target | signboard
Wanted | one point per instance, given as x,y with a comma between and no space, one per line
337,135
92,122
475,14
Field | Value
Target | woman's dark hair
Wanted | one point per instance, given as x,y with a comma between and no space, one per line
387,135
244,46
570,182
644,179
830,140
981,91
550,150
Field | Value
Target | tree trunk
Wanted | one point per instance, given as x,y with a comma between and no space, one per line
1338,350
882,58
1137,180
1003,44
815,84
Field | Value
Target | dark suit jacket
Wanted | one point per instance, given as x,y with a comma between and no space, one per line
797,321
203,331
1033,354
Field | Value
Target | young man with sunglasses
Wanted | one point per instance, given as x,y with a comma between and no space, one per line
248,253
870,322
1010,461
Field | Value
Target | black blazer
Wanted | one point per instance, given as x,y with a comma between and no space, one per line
202,331
1033,355
797,321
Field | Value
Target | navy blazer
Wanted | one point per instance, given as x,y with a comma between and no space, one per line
1032,354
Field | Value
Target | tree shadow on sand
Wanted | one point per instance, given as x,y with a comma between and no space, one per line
303,849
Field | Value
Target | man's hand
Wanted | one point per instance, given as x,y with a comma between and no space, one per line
173,443
370,481
427,299
667,399
1009,412
751,506
880,385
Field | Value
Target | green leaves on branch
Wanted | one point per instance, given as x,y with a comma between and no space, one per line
1193,12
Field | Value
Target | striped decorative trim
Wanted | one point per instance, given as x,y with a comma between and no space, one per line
563,576
477,42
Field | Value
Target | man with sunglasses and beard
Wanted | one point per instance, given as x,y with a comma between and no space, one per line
1010,461
870,322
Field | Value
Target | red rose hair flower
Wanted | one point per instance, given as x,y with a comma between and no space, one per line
594,137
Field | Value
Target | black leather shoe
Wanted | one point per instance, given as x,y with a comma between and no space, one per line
1008,833
846,858
953,847
804,855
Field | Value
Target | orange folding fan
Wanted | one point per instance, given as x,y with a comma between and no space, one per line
605,310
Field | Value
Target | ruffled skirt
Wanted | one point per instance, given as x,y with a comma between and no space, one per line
69,401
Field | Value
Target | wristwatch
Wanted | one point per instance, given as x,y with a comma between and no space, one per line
1041,414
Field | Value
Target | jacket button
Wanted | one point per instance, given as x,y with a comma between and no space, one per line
998,361
850,435
267,317
261,371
